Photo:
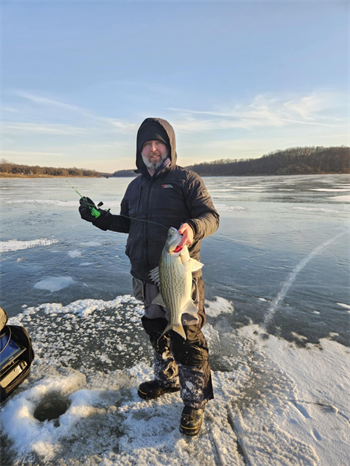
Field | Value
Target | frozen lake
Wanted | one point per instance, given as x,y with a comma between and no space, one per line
278,304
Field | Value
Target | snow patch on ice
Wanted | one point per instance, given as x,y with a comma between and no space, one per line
318,209
317,411
331,189
74,253
220,306
279,403
91,243
28,433
54,283
54,202
345,198
230,208
14,245
346,306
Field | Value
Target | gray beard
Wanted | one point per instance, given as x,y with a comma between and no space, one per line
153,166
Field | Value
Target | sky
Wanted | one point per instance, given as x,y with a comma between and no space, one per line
235,79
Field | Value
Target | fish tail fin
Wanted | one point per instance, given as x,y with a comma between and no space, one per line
178,328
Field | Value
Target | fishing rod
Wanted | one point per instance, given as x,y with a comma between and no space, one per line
96,213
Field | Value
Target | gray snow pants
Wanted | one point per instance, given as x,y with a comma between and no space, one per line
177,360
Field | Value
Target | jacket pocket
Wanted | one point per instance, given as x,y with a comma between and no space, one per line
138,289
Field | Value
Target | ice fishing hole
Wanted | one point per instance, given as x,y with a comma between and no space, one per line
51,407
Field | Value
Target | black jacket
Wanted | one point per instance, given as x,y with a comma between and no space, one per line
169,198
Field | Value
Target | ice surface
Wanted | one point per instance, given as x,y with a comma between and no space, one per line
317,209
74,253
329,190
318,410
277,401
91,243
345,198
48,202
14,245
274,403
230,208
54,283
56,203
288,283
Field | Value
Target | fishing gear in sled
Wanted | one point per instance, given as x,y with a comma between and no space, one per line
16,355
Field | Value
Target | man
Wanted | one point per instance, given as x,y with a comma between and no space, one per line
163,196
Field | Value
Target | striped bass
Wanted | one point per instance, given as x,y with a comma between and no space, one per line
174,279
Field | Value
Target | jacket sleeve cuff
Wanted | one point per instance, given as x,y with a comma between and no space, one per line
103,222
192,224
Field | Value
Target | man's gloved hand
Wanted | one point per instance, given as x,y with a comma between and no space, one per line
88,210
91,213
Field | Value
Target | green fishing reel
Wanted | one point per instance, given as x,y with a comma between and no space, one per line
91,205
94,211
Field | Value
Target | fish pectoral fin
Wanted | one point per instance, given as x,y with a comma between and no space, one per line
195,265
159,300
154,274
189,308
178,328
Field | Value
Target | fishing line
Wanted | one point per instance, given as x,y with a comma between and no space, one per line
142,220
121,215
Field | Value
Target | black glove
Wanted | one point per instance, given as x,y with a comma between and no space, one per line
91,213
85,209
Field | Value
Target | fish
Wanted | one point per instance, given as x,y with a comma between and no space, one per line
173,277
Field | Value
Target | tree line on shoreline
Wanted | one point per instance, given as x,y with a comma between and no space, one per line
292,161
10,168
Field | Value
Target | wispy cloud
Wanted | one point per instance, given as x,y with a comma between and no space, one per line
104,123
47,102
40,128
263,111
30,154
120,126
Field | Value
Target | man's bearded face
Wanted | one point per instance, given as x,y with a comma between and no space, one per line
153,153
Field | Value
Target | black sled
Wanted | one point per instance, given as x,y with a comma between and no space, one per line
16,356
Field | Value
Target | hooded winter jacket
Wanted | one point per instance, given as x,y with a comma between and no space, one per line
171,197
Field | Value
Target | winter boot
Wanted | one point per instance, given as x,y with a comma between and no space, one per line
191,421
154,389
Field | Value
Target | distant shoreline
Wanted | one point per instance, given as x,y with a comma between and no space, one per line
10,175
293,161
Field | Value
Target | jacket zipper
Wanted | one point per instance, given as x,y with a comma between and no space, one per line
146,224
138,202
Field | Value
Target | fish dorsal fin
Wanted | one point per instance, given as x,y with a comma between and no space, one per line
159,300
154,274
195,265
189,308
